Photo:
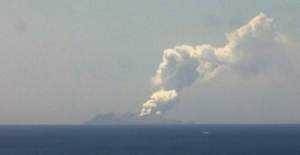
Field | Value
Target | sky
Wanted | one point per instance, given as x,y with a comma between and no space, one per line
64,61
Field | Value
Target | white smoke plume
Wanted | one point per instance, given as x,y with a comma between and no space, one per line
246,50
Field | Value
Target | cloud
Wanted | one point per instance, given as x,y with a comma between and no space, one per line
251,49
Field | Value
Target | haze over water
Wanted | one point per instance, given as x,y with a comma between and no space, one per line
113,77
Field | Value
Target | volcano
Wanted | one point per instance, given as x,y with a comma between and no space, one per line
130,119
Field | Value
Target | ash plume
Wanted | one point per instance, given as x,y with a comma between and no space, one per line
246,51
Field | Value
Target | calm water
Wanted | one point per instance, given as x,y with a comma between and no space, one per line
151,140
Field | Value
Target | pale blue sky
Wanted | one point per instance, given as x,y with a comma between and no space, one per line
64,61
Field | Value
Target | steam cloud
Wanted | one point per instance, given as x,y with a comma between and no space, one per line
246,50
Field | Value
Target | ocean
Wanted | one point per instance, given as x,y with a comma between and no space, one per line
151,140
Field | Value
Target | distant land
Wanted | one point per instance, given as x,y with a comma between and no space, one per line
130,119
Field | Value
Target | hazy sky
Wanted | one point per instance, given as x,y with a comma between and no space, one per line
64,61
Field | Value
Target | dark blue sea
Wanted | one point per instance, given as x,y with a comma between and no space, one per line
151,140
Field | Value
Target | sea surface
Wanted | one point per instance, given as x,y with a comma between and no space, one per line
151,140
